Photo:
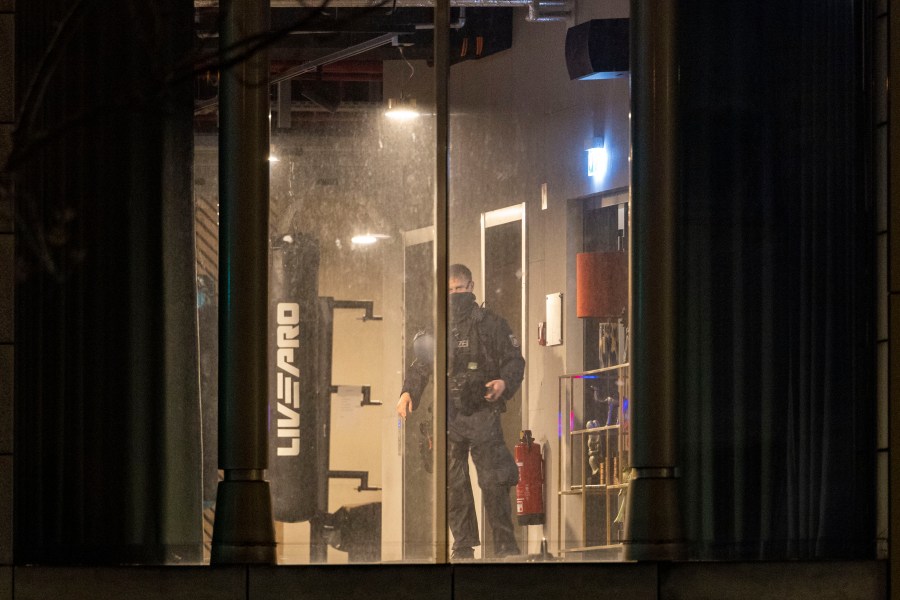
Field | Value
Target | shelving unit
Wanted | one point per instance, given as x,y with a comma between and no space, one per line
594,461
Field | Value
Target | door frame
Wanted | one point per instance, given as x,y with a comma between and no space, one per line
502,216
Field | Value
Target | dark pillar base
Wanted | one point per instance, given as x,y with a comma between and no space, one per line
653,529
243,532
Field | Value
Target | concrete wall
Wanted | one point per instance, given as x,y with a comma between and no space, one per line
635,581
7,273
887,184
881,123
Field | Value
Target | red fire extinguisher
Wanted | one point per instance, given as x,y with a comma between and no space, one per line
530,489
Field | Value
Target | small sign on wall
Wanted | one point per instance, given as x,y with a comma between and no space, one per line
553,331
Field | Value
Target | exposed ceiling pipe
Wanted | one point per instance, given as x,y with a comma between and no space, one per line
549,11
375,67
458,24
539,11
346,53
377,3
311,65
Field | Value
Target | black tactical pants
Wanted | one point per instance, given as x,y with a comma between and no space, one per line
480,434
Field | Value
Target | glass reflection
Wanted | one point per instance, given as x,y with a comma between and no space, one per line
352,301
523,206
350,280
349,186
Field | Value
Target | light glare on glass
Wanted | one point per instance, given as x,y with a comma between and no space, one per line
401,110
364,240
367,239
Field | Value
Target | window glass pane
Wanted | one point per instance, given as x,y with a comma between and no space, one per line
351,285
539,214
523,208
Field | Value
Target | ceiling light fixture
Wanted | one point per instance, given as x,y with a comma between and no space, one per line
401,110
367,239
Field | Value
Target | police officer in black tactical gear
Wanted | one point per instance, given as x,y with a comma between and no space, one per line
485,368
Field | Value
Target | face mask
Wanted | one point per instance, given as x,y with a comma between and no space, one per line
461,303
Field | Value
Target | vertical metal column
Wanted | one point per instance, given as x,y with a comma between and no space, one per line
243,531
653,519
441,225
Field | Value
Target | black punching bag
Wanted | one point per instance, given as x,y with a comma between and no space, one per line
293,377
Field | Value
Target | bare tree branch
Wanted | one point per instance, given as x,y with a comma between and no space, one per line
153,94
26,141
37,88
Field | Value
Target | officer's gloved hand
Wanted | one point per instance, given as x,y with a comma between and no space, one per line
494,390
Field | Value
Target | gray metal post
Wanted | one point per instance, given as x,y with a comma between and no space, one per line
653,519
441,252
243,531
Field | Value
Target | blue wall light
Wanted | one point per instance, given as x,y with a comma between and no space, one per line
597,159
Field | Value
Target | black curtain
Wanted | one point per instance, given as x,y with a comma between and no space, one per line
107,439
776,284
